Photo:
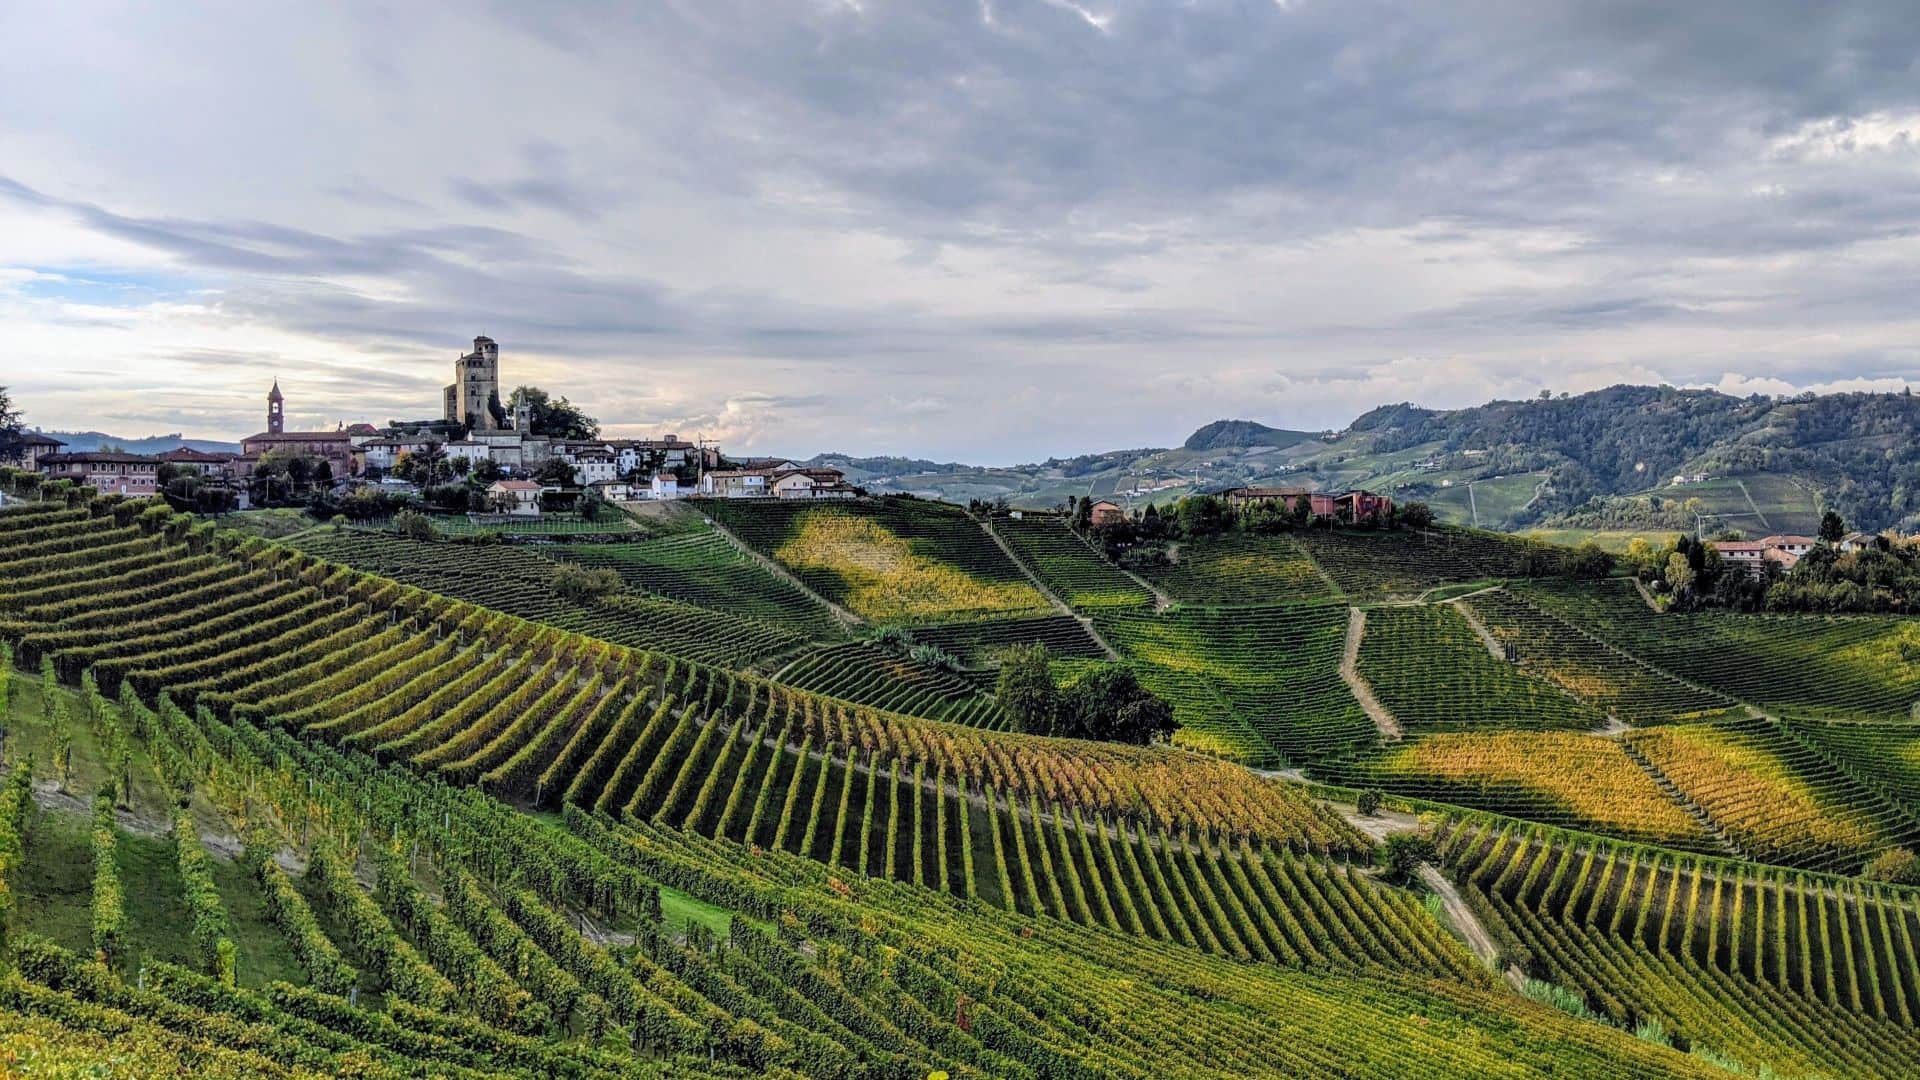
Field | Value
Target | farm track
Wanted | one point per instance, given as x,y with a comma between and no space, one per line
1060,605
1350,674
1479,628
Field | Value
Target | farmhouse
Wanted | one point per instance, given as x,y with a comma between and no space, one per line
1354,507
1106,512
104,471
780,479
518,497
1756,555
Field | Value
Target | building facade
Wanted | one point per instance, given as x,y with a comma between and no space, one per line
105,472
336,448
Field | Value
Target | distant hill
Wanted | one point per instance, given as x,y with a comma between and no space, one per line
1600,460
1223,434
78,441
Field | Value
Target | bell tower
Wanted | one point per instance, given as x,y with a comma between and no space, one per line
276,411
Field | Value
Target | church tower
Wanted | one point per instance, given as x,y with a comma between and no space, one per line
276,410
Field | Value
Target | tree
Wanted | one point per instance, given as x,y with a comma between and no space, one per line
413,525
1416,515
554,418
1026,691
555,471
1401,854
580,585
12,449
1832,527
1680,575
1109,703
1896,865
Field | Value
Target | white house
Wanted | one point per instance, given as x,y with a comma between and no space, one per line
810,484
519,497
735,483
595,466
612,490
666,486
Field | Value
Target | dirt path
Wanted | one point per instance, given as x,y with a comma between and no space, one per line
1350,673
1641,587
1468,924
781,572
1479,628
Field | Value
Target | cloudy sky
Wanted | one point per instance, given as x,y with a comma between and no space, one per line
986,229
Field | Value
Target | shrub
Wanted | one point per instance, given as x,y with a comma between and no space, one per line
1369,802
1896,866
1401,854
580,585
413,525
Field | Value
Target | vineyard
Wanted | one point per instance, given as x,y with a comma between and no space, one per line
1777,800
1560,778
897,560
702,569
464,953
866,674
1238,568
1430,668
1777,968
517,581
1260,685
982,642
1070,567
265,812
1863,666
1374,565
1587,667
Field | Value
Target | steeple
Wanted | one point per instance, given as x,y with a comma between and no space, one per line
276,415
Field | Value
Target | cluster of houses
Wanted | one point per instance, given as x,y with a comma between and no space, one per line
1783,550
473,430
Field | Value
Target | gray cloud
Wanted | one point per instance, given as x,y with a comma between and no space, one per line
1000,229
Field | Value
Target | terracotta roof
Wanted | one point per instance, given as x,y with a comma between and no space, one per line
188,453
97,457
298,436
34,438
362,429
515,485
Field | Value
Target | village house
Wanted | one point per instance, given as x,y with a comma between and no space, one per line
665,485
1858,541
201,462
34,446
811,484
595,466
104,471
612,490
1319,504
1106,512
520,498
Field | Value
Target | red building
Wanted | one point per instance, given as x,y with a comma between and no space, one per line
1356,507
1106,512
334,447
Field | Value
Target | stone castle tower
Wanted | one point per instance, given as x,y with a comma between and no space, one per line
276,410
476,387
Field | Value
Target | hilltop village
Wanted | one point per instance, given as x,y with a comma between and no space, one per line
489,455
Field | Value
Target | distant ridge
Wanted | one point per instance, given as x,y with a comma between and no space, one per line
1226,434
78,441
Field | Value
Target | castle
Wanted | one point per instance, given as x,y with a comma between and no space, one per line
473,398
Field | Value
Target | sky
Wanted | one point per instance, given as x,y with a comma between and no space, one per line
986,230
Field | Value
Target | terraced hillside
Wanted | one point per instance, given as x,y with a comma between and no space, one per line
896,560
